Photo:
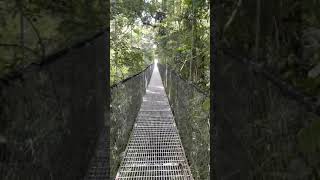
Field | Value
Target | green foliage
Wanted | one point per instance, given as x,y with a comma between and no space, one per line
131,42
32,29
285,40
206,105
183,40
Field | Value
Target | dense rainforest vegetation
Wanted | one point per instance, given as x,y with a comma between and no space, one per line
283,38
286,39
184,40
176,32
282,35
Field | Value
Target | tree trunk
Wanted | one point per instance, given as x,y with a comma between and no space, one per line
192,42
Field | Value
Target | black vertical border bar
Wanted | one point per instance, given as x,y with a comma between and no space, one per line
213,64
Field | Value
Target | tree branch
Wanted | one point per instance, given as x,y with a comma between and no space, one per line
233,15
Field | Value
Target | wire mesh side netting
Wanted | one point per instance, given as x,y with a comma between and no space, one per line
126,99
191,112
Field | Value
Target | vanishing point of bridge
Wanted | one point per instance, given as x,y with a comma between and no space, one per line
154,150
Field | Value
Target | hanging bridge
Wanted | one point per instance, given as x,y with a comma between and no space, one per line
55,124
154,150
61,125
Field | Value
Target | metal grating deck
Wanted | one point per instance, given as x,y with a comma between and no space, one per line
154,150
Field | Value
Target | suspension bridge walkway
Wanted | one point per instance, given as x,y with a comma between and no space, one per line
154,150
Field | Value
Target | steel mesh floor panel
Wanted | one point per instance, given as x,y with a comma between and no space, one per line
154,150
